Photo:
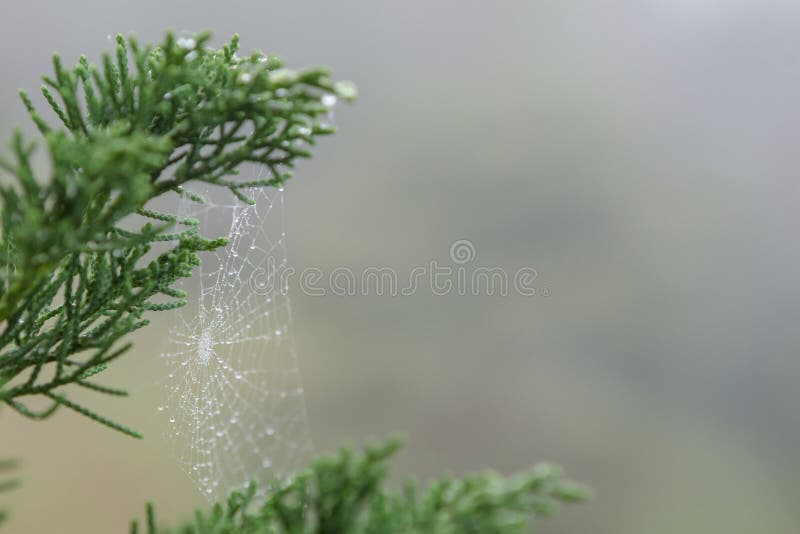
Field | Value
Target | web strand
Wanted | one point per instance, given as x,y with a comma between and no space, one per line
234,400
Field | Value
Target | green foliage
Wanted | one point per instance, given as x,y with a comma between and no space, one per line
73,281
347,493
6,484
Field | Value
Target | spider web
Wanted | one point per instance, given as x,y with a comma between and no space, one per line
234,399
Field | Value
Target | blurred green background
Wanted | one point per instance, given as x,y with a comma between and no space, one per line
640,155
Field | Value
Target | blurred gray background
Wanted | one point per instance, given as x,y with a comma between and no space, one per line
642,156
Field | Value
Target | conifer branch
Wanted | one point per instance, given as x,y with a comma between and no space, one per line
6,484
145,122
347,493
